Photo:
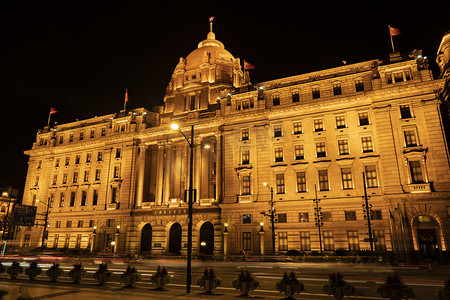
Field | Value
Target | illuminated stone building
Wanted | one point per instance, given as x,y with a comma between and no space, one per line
315,131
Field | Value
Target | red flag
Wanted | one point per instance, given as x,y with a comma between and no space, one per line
248,66
394,31
53,110
126,95
211,19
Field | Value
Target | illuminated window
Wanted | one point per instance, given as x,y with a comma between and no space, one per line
410,138
55,179
318,125
77,159
97,174
320,149
245,157
347,182
297,127
61,200
303,217
340,122
301,182
277,132
366,143
99,156
88,157
328,240
280,184
282,241
337,90
353,240
315,93
323,180
247,219
245,185
116,173
299,152
75,177
245,134
305,241
343,147
371,176
247,241
359,85
416,171
363,118
86,176
279,154
64,179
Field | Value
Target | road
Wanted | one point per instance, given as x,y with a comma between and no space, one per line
365,278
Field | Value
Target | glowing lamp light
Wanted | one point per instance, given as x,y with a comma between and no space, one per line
113,243
225,224
118,226
95,227
265,183
174,126
203,244
207,146
261,224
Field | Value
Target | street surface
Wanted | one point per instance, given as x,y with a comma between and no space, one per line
365,278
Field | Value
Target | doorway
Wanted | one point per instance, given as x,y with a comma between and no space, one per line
146,238
428,242
207,238
175,239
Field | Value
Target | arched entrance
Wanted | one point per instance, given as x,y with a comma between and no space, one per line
146,238
427,235
207,238
175,239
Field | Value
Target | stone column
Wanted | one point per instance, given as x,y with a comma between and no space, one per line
225,243
168,173
141,174
159,178
218,167
261,241
198,167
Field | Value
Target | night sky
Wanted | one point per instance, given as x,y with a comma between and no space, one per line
80,56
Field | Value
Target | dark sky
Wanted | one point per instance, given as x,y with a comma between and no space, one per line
80,56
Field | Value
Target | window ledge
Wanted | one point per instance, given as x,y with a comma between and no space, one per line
419,187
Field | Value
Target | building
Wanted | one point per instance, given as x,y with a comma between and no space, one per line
120,179
8,197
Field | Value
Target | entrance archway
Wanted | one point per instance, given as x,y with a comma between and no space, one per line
207,238
146,238
175,239
427,232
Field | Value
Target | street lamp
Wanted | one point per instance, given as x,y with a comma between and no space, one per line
44,232
94,233
116,240
318,218
271,214
191,144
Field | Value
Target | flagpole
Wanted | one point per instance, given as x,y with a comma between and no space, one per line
244,72
49,115
392,41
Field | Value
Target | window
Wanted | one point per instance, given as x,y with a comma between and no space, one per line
416,171
99,156
36,181
410,138
71,137
279,154
405,111
245,157
114,195
61,139
97,174
328,240
347,182
81,135
315,93
297,127
103,132
340,122
58,224
116,173
301,182
75,177
245,134
69,224
121,127
280,183
366,143
67,162
61,200
118,152
282,218
295,97
245,185
277,131
303,217
371,176
318,125
282,241
380,244
64,179
83,198
80,223
276,100
377,214
363,118
399,76
72,198
350,215
78,241
95,198
51,200
247,219
305,241
299,152
77,159
320,149
55,179
323,180
86,175
359,85
343,147
110,222
247,241
92,135
327,216
353,240
57,162
337,89
88,157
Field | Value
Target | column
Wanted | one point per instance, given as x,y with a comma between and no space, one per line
159,178
218,167
198,167
261,241
141,174
168,173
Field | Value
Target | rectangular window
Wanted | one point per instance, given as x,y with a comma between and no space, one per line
398,76
366,143
328,240
359,85
280,183
58,224
83,198
371,176
327,216
301,182
245,134
97,174
57,162
71,137
347,182
297,127
377,214
69,224
299,152
276,100
116,173
353,240
36,181
81,135
61,139
410,138
340,122
246,185
303,217
405,111
277,132
305,241
282,241
315,93
295,97
350,215
61,200
323,180
86,175
92,135
67,162
55,179
103,133
337,89
282,218
246,219
380,244
320,149
416,171
51,200
95,198
343,147
99,156
245,157
80,223
75,177
318,125
77,159
88,157
64,179
247,241
78,241
118,152
114,195
72,198
363,118
279,154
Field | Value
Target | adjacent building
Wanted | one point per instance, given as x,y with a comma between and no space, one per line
119,181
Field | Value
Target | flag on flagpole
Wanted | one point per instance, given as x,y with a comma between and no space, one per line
126,99
53,111
394,31
248,66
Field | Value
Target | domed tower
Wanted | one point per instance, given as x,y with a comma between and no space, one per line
205,75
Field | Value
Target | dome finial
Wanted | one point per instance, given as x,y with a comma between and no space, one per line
211,35
210,23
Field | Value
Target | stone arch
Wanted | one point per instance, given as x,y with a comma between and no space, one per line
206,238
435,223
174,237
146,237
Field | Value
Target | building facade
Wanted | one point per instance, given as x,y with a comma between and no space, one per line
333,135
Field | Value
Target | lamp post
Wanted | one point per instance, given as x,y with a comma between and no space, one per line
116,240
191,144
318,218
44,232
271,215
94,233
